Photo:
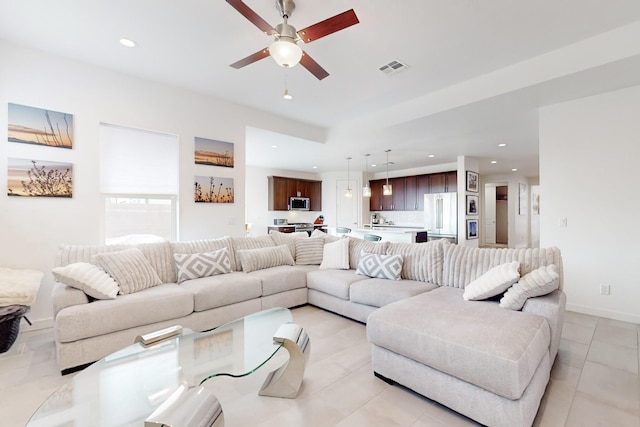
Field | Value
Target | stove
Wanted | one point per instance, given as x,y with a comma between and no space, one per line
303,226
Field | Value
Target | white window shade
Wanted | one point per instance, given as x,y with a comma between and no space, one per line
135,161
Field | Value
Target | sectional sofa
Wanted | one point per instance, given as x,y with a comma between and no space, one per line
480,359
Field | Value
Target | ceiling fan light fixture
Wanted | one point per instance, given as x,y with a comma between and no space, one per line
285,52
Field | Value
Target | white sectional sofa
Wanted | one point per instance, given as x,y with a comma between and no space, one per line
482,360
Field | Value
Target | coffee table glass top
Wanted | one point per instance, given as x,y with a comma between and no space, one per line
124,388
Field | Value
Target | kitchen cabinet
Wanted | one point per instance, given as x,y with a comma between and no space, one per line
415,187
422,189
394,202
446,182
281,188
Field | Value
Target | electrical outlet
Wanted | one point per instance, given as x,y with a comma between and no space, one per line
562,222
605,289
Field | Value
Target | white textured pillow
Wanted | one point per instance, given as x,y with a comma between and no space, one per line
493,282
380,266
335,255
130,268
309,251
540,281
328,238
194,266
89,278
261,258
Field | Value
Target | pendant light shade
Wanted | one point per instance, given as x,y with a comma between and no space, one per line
387,190
366,189
348,193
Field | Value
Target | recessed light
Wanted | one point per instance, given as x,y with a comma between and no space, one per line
431,156
502,145
373,165
514,170
274,146
493,162
314,167
127,42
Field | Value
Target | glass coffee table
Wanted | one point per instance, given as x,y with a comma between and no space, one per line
141,381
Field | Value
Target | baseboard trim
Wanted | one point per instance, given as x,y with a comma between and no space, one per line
609,314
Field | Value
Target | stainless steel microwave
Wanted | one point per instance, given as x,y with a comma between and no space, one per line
299,204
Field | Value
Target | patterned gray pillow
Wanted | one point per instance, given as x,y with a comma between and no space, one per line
380,266
130,268
194,266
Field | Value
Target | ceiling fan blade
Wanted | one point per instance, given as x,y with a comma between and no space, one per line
312,66
255,19
251,59
328,26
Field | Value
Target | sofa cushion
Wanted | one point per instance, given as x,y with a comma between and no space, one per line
249,242
309,251
335,255
159,303
261,258
333,282
475,341
358,246
423,262
194,266
130,268
280,279
493,282
328,238
225,289
539,282
380,292
463,264
205,245
380,266
288,239
159,255
91,279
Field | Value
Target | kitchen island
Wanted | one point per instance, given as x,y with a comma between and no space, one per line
393,233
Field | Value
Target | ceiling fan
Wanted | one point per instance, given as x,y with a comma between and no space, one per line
285,50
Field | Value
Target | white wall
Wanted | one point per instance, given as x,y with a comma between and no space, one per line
32,229
589,156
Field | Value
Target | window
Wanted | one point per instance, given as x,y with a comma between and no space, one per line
139,183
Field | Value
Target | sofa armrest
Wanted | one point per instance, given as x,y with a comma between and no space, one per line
64,296
551,307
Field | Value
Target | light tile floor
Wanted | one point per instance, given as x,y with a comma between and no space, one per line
594,381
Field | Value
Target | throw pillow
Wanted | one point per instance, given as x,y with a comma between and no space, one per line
541,281
335,255
380,266
89,278
288,239
194,266
328,238
309,251
493,282
129,268
261,258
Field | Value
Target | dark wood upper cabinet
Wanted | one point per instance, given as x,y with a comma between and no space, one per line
411,193
281,188
375,202
423,188
451,182
408,192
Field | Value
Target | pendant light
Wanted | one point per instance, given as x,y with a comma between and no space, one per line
366,190
387,190
348,193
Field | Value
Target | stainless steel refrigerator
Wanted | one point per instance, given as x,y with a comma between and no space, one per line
441,214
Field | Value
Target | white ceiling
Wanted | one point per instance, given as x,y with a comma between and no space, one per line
190,44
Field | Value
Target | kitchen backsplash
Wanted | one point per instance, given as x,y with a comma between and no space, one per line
407,218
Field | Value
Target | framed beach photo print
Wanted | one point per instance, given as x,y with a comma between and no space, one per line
472,205
472,181
472,229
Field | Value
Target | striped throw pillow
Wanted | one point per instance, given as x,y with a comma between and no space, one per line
493,282
89,278
541,281
261,258
309,251
129,268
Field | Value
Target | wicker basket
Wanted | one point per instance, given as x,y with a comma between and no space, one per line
10,325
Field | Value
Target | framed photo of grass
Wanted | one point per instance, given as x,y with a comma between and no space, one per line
38,178
209,189
31,125
213,153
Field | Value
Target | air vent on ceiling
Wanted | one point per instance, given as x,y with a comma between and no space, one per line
393,67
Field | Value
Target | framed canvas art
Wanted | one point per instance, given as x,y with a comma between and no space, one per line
472,229
209,189
31,125
214,153
38,178
472,204
472,181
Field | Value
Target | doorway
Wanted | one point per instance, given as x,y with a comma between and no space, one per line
496,215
